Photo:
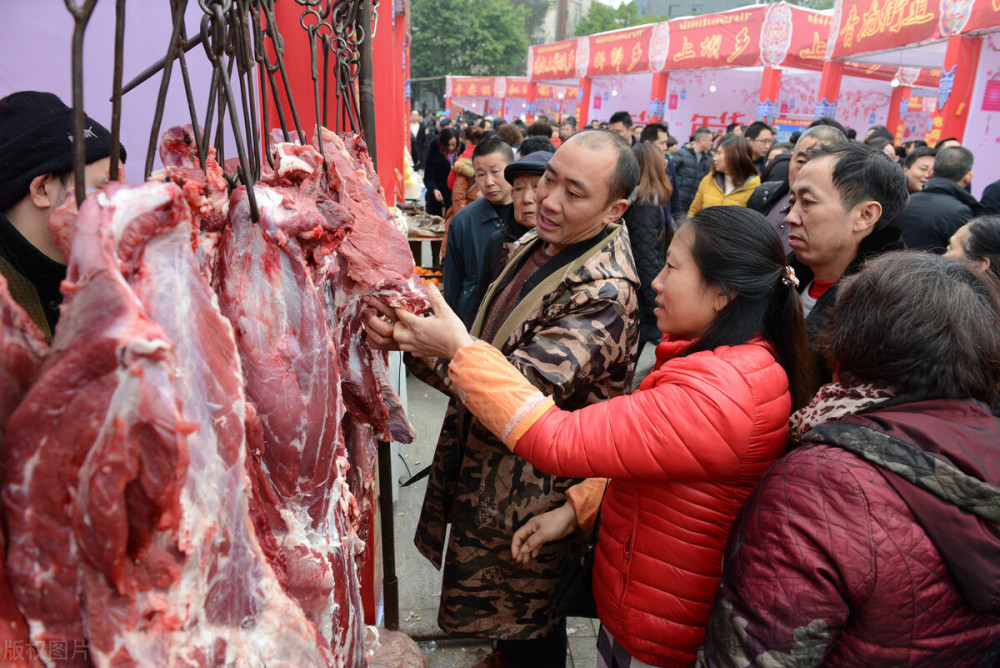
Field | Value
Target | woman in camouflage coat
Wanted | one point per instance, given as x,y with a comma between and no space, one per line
573,334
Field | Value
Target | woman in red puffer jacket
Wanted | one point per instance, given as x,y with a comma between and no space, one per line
683,453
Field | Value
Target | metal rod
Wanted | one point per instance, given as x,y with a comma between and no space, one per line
192,109
390,583
116,97
178,7
81,16
150,71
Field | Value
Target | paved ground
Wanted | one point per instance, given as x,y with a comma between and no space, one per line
419,581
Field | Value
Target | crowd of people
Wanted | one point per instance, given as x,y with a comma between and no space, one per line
807,475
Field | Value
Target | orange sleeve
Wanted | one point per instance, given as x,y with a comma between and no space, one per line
496,392
586,498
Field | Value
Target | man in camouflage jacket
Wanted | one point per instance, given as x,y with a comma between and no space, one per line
573,332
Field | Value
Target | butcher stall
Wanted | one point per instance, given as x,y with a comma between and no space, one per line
191,466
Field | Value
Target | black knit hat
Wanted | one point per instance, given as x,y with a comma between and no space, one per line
36,137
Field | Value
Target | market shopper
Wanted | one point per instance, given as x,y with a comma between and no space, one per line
682,453
692,164
564,312
472,227
621,124
36,173
919,167
650,232
658,135
774,198
523,175
437,166
844,202
943,205
732,180
875,541
760,136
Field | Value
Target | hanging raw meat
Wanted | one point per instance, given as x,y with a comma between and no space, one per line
126,487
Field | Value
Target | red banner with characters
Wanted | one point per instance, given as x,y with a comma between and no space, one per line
551,62
620,52
727,39
517,87
472,87
860,26
810,32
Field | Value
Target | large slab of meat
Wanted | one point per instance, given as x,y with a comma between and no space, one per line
22,348
186,479
127,494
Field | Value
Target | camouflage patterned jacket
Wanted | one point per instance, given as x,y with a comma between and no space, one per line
574,336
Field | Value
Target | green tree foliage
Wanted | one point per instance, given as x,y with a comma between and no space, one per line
537,11
814,4
601,18
468,37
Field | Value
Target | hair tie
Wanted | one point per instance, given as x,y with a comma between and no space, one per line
790,278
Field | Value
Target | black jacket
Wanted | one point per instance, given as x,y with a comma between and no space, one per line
878,242
991,199
497,252
935,213
436,170
691,169
767,195
649,234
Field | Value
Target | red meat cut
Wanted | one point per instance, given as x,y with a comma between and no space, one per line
140,539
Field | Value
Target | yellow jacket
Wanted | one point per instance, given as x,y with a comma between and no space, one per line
710,193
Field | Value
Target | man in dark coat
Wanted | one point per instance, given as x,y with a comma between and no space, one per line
36,163
692,164
991,199
774,198
472,227
658,134
760,136
844,201
943,206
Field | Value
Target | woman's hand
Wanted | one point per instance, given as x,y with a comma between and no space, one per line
438,196
540,529
438,335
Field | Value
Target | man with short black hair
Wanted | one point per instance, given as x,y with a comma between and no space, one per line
936,212
472,227
621,124
567,128
761,136
919,167
735,129
692,164
774,198
845,199
36,163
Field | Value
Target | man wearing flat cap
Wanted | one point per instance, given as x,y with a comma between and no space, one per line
36,168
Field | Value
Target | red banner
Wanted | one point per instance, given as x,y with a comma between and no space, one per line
517,87
550,62
727,39
472,87
810,32
878,25
620,52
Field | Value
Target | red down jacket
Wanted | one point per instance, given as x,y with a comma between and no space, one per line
683,455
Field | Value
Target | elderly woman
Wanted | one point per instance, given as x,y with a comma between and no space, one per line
876,542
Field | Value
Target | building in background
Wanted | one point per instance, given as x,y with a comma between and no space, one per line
675,8
560,21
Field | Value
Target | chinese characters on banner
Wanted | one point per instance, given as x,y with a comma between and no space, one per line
729,39
553,61
623,52
877,25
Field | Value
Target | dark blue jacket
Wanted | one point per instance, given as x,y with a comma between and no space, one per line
468,236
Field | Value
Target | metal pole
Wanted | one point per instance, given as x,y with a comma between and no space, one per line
367,82
390,583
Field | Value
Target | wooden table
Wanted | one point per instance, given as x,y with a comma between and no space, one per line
416,247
